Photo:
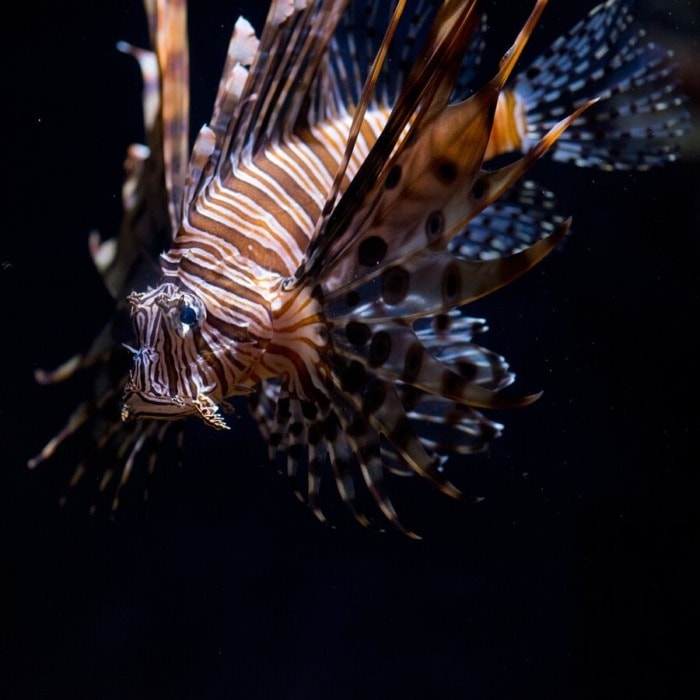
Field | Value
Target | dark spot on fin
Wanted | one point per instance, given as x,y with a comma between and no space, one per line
372,251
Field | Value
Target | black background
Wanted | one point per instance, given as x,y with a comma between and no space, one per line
575,577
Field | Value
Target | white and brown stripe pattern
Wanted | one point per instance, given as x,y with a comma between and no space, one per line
240,239
336,214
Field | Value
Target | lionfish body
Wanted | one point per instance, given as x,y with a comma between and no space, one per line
335,215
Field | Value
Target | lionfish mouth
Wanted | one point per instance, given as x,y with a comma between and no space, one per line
138,404
142,405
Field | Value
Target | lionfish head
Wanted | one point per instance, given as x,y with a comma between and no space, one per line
174,370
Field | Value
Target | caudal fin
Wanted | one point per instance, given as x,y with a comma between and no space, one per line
640,110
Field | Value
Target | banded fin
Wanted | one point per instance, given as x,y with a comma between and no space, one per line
393,352
168,29
292,51
450,428
435,427
213,137
131,258
358,39
343,463
402,394
365,444
423,96
523,215
450,339
430,187
112,449
386,63
640,112
328,446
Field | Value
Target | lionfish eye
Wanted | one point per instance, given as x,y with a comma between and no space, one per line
188,315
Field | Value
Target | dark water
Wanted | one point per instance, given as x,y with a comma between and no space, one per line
576,577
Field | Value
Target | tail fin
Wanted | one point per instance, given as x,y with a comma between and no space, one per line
639,113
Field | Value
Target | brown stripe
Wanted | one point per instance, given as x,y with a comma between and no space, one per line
221,281
255,250
269,205
297,194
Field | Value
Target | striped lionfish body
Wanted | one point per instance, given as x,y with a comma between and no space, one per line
334,217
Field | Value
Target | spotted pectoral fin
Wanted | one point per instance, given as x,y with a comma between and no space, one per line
435,188
393,351
431,283
424,95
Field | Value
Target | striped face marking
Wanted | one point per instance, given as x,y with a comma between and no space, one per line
174,372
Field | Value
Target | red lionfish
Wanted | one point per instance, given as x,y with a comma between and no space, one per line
333,218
